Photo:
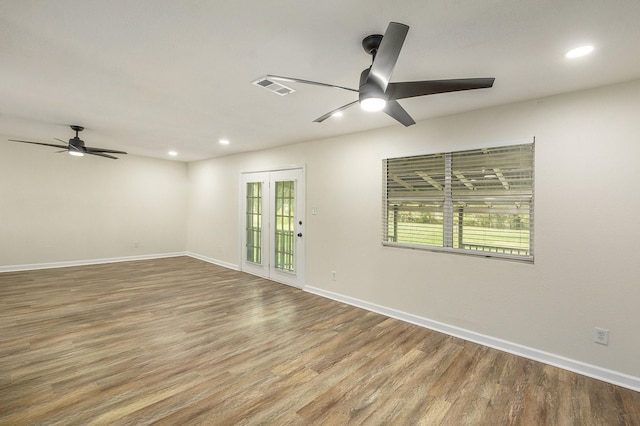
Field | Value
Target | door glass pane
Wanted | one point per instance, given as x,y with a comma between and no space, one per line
254,222
285,226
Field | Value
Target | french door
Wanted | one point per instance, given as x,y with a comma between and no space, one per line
272,226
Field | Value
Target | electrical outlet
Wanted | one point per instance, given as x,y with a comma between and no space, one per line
334,276
136,244
601,336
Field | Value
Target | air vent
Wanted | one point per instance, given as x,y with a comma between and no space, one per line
272,86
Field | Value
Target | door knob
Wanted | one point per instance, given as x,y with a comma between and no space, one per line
299,234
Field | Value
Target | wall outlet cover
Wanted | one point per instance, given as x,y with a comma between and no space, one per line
601,336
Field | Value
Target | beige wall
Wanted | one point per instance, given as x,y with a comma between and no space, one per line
57,208
586,214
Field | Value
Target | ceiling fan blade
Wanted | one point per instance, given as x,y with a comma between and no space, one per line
99,154
394,110
40,143
60,140
387,55
102,151
315,83
330,113
410,89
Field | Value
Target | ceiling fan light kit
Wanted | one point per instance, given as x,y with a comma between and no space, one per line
375,92
76,146
373,104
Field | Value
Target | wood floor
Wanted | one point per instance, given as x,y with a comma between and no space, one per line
179,341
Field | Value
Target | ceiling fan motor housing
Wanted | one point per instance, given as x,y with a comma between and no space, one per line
368,88
76,142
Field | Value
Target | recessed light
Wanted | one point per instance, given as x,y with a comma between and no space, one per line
578,52
172,153
337,114
224,141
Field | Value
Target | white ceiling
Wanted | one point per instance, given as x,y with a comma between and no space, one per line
147,76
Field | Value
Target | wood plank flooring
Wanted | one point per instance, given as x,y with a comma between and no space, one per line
178,341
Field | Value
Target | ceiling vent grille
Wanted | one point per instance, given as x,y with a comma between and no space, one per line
272,86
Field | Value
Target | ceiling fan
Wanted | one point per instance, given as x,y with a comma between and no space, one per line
376,93
77,147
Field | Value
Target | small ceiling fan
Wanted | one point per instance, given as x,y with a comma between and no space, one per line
376,93
77,147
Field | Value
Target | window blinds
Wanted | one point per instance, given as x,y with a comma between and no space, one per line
476,201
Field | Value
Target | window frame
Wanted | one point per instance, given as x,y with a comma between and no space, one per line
449,201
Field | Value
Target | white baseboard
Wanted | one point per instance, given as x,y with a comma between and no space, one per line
33,266
214,261
593,371
66,264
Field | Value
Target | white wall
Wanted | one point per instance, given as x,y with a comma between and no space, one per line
56,208
586,225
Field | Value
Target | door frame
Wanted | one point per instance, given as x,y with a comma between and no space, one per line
297,279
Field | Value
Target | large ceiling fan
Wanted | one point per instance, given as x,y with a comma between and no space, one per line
376,93
77,147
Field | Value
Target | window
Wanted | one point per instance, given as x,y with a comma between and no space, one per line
476,202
